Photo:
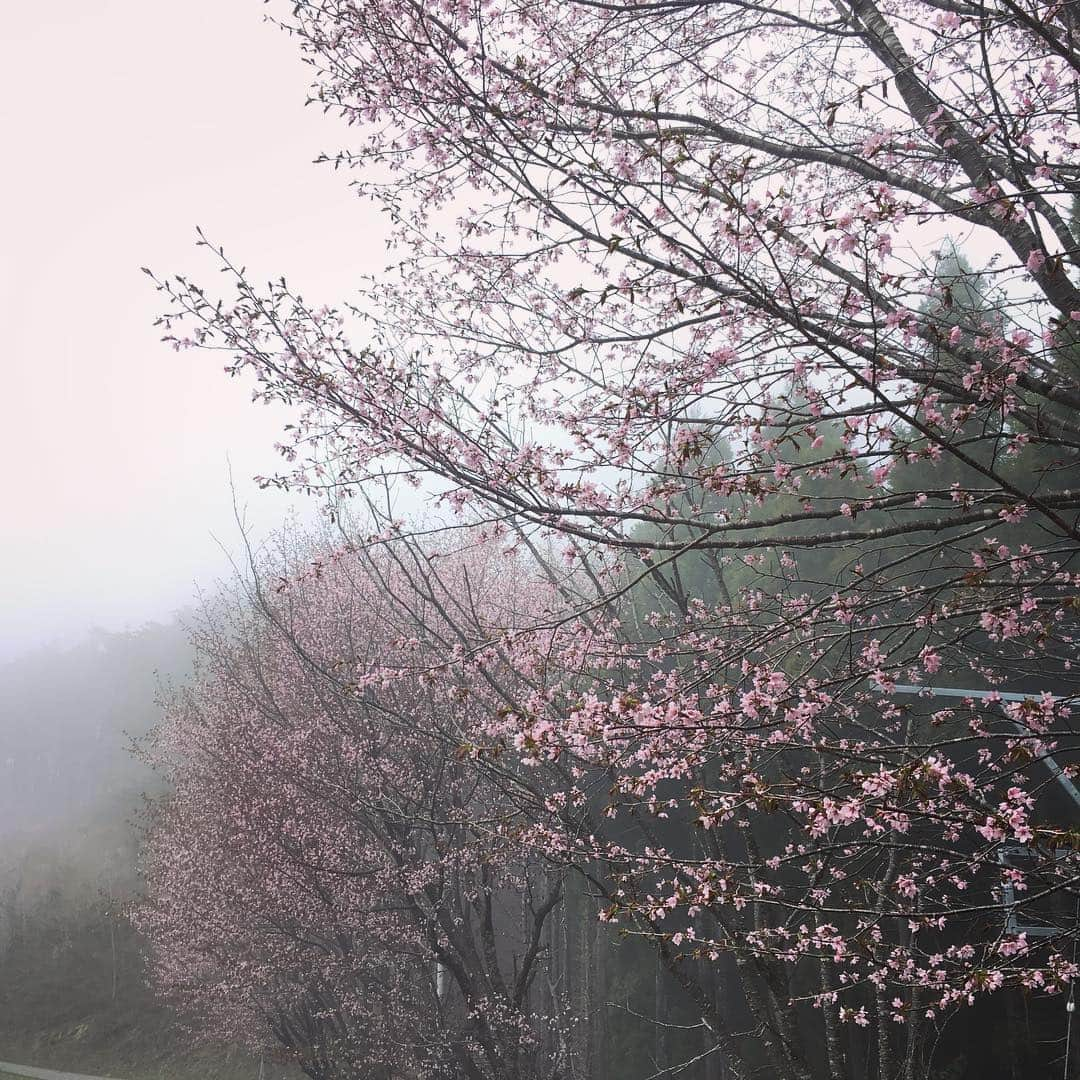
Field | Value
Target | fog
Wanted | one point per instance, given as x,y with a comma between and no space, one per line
126,124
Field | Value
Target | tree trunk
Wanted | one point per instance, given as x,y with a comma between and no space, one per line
660,1043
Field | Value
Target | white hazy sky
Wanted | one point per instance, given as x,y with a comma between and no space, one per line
124,124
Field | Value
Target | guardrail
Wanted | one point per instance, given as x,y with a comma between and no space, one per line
8,1068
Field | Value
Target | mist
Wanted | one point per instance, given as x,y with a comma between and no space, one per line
126,126
130,468
677,674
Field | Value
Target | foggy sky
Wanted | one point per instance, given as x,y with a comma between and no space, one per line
125,124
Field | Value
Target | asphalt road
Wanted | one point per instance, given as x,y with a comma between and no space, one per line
9,1069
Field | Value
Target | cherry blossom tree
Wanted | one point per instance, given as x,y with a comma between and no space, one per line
669,303
328,869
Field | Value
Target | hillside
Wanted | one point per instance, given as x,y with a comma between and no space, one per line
73,991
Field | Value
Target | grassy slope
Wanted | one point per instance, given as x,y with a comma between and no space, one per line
136,1046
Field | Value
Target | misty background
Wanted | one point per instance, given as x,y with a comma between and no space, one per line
126,124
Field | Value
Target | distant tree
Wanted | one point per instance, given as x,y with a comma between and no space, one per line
330,869
68,715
